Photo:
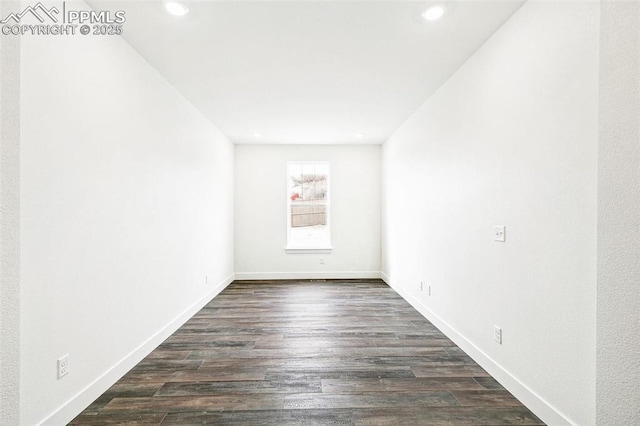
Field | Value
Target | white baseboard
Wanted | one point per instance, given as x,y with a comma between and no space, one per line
86,396
541,408
306,275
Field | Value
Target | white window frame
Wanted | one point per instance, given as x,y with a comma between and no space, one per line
324,246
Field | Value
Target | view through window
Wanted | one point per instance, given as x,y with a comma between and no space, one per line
308,205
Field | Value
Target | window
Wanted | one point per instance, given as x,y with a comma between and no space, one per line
308,206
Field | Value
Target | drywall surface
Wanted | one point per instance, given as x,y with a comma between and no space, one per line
126,219
9,224
261,204
510,139
618,317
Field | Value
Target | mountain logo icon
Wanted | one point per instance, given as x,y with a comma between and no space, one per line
38,11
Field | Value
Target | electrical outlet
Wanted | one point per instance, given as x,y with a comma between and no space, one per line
322,260
429,290
63,366
499,233
497,334
421,286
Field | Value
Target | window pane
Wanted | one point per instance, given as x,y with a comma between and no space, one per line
308,205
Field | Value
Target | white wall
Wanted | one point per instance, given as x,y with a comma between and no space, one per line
127,204
618,354
9,224
260,212
510,139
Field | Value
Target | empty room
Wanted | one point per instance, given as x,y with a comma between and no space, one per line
320,212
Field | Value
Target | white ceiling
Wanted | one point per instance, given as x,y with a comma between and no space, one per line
308,71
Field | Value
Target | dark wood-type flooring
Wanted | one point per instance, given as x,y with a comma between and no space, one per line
335,352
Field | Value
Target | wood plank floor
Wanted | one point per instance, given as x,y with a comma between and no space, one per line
335,352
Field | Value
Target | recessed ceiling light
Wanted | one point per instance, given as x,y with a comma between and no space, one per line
175,8
257,135
433,13
359,135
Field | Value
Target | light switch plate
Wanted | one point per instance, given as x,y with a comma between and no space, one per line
499,233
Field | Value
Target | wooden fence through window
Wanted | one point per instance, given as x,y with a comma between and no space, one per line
308,215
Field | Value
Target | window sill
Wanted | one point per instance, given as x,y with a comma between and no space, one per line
308,250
